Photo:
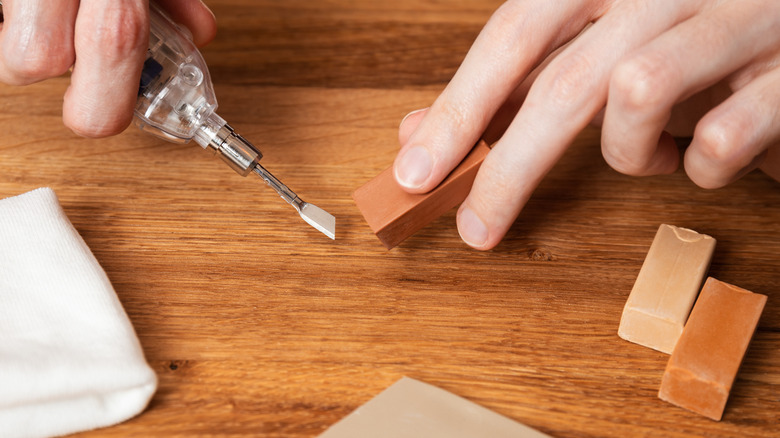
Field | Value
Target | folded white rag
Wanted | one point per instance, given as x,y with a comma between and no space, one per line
69,358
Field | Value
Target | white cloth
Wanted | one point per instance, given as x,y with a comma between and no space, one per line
69,358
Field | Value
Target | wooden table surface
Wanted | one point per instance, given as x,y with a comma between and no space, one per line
256,324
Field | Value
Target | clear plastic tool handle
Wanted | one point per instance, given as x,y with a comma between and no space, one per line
176,99
176,102
175,95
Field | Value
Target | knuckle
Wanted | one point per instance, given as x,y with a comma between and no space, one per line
572,80
505,20
721,141
642,81
506,177
455,111
36,61
120,31
722,147
458,114
509,24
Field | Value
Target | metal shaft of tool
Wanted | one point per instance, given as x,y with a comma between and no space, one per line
283,191
313,215
242,156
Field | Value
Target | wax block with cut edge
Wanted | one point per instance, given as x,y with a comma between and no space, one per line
410,408
393,214
666,288
704,364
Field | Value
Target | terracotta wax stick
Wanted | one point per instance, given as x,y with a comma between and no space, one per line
393,214
705,362
666,288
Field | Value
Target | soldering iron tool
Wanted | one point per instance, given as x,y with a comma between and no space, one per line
176,102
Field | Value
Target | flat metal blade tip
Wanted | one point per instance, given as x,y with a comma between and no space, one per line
313,215
319,219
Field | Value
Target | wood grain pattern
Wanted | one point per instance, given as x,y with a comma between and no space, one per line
258,325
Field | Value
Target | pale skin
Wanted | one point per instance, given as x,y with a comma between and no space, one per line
541,71
538,73
103,41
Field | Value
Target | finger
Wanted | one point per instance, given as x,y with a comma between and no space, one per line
733,138
517,37
195,16
562,101
409,123
495,129
493,132
509,109
111,41
501,119
690,57
36,41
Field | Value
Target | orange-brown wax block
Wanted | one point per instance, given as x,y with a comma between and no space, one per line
705,362
666,287
393,214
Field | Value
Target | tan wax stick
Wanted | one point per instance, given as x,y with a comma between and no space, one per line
410,408
666,288
705,362
393,214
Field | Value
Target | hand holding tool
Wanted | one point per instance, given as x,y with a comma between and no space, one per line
176,102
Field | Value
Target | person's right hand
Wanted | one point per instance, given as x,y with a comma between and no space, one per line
540,71
104,41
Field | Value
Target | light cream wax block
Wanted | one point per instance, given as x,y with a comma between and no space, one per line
410,408
666,288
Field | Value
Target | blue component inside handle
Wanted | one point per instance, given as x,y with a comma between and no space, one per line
149,74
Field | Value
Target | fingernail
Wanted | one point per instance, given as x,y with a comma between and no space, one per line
411,114
414,167
471,228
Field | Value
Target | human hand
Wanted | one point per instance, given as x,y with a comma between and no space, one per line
105,43
540,71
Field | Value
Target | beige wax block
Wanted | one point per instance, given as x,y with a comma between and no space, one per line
666,288
410,408
704,364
